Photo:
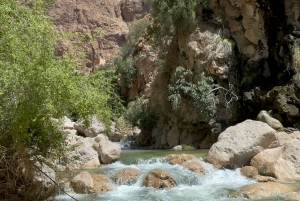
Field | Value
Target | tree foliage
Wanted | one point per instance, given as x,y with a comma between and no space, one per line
172,15
36,86
199,91
139,114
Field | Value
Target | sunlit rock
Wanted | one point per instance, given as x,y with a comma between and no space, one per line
158,178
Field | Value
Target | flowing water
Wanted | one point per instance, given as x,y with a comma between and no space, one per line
214,186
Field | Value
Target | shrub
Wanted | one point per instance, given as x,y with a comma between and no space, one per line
200,92
173,15
126,68
139,114
136,29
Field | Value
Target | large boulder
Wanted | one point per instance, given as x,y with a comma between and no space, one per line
82,183
238,144
194,166
108,151
96,127
127,176
85,183
81,157
259,190
263,116
280,162
158,178
101,183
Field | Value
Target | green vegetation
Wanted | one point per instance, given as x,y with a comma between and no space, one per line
126,68
199,92
139,114
35,87
136,30
173,15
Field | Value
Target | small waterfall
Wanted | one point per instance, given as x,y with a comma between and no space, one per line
214,186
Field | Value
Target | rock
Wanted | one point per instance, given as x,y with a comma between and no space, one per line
127,176
249,171
116,137
238,144
263,116
96,127
101,183
259,190
260,178
188,161
158,178
83,183
281,162
252,172
134,9
177,148
87,16
108,151
46,181
179,159
194,166
293,196
67,123
81,157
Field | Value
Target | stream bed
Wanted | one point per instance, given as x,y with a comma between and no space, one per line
216,185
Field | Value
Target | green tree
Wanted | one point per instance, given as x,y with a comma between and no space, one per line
36,86
199,91
173,15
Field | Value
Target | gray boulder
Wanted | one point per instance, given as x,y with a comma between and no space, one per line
108,151
238,144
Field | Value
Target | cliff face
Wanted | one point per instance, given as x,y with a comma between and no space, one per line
87,16
246,47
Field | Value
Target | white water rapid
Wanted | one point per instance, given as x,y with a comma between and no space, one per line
214,186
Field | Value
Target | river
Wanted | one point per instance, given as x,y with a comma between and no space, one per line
214,186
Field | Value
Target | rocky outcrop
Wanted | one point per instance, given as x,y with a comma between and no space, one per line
87,16
86,152
108,151
260,190
159,179
281,162
127,176
237,145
